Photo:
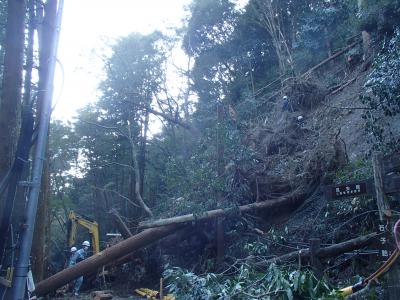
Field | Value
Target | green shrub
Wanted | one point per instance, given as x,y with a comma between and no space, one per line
247,283
382,96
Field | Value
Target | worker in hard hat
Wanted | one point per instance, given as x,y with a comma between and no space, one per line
79,255
300,121
71,254
286,104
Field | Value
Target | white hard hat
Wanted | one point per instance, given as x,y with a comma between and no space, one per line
285,97
73,249
86,243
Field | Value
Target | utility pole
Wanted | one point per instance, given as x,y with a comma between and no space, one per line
22,265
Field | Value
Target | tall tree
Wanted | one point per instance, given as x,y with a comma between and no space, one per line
134,75
272,16
10,103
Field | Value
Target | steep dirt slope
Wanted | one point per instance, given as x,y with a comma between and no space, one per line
322,130
341,114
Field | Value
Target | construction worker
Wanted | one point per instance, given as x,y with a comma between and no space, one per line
300,121
79,255
71,254
286,105
73,250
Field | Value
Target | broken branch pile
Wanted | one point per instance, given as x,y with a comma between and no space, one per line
304,94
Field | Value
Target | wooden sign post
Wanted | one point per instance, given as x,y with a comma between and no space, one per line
315,245
385,215
379,173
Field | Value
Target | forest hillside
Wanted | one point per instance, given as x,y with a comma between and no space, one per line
239,164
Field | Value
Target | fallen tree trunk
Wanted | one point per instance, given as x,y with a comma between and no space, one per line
343,86
330,58
293,200
102,258
330,251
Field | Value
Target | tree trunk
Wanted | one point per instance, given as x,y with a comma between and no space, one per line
26,124
276,203
270,18
330,251
325,61
137,174
122,227
10,103
328,42
142,154
220,172
39,246
131,189
366,36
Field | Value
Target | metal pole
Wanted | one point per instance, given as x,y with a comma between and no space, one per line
22,266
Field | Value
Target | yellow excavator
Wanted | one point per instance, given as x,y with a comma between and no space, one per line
92,226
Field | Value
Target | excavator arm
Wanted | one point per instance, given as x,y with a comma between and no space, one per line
92,226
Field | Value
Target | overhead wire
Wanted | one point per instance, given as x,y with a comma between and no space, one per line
62,85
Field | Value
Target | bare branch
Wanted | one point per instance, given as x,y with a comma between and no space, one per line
137,174
114,163
116,129
115,192
172,119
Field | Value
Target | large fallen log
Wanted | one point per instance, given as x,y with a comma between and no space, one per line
102,258
276,203
330,251
343,86
352,45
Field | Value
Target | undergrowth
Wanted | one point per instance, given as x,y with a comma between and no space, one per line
356,170
277,283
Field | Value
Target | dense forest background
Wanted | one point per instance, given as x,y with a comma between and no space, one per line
223,139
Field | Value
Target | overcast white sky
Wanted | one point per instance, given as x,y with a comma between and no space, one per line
88,27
